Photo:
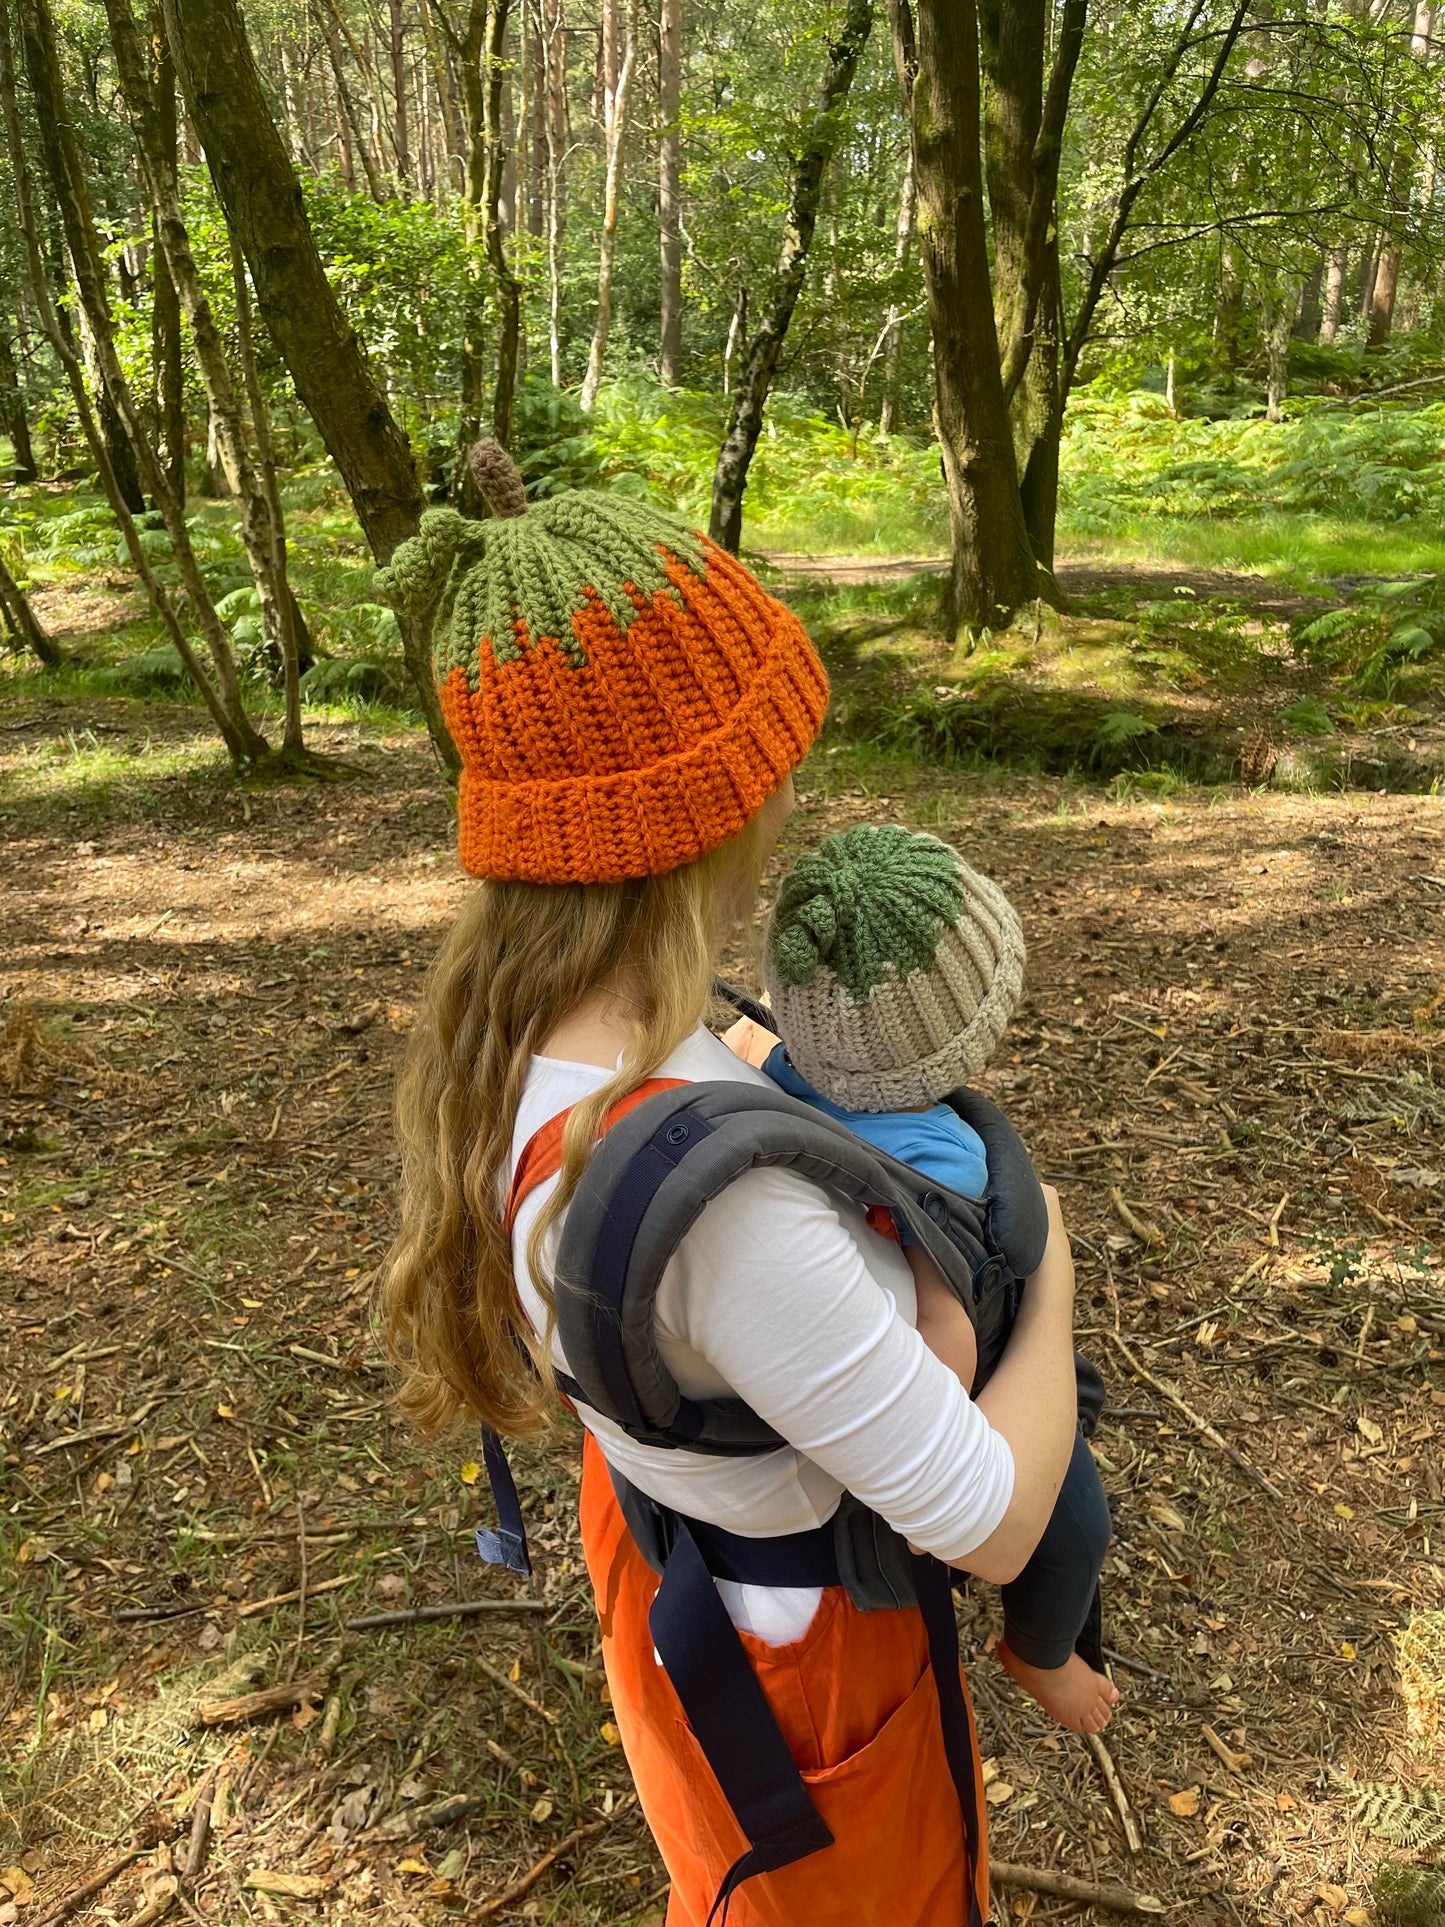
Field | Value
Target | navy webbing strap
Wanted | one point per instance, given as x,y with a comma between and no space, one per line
507,1546
731,1721
935,1602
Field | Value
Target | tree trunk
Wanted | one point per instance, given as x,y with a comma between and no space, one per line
484,74
401,141
166,352
1023,144
1278,319
451,112
554,38
1307,322
283,617
737,334
669,190
535,121
760,363
263,528
1334,295
1382,295
13,419
993,568
902,246
359,144
23,623
261,198
62,344
618,106
66,168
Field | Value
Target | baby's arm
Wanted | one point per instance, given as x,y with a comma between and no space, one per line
943,1324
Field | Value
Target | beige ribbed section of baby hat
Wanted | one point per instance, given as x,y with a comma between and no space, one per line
912,1039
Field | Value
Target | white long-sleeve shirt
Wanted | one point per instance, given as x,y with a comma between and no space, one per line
784,1296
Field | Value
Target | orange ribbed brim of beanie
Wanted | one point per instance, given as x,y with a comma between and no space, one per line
623,693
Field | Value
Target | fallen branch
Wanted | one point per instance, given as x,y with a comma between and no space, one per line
260,1706
1201,1425
1063,1886
1132,1837
73,1902
489,1909
200,1828
454,1609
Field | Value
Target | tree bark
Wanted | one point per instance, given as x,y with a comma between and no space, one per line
261,198
755,378
166,353
1278,320
902,247
618,106
1382,294
62,344
993,568
67,174
23,623
13,418
669,190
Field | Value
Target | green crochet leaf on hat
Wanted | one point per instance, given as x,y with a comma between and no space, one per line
867,904
477,581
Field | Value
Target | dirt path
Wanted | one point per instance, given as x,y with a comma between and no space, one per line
1079,578
1226,1062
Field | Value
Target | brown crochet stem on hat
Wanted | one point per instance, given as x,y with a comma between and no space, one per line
497,476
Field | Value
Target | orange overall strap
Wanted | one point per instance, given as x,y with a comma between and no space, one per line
542,1154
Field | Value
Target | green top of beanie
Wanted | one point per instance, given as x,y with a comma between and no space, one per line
867,904
519,579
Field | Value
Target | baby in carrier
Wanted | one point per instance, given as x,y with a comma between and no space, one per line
892,970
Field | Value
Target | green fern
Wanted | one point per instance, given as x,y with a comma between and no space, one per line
1413,1817
1409,1896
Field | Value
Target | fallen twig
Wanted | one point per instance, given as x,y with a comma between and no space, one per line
259,1706
489,1909
1063,1886
111,1431
1146,1233
200,1828
1132,1837
454,1609
73,1902
1200,1424
254,1606
517,1692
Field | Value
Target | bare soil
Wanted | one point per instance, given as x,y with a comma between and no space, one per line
1227,1063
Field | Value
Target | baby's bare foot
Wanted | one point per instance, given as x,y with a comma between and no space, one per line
1074,1694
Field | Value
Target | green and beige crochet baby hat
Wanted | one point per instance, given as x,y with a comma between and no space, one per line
893,968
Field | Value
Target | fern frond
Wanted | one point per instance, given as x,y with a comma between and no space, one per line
1409,1896
1413,1817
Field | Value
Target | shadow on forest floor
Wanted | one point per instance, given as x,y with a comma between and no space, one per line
1226,1061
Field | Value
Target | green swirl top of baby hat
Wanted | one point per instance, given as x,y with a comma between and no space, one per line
893,967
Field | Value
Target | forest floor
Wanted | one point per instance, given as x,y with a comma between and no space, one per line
1227,1061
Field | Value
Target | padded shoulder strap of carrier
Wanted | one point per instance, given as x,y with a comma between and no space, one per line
1018,1219
645,1186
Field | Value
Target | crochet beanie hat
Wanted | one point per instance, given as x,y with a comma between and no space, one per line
893,968
623,694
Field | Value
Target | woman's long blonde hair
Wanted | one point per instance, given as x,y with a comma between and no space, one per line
519,959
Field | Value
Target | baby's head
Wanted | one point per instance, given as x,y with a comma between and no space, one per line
893,968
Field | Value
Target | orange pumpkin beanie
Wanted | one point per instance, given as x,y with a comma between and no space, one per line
624,694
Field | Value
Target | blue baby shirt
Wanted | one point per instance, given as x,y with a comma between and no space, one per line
936,1142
